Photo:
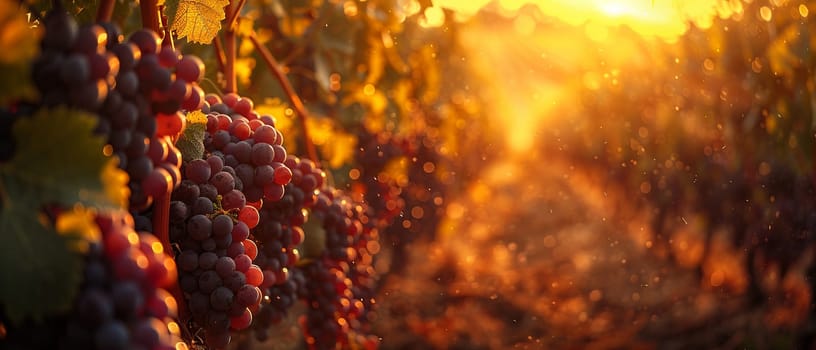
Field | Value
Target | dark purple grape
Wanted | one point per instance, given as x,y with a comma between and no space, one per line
209,281
127,299
198,171
188,283
245,173
95,307
75,70
62,31
187,261
190,68
203,206
112,335
223,182
225,266
148,332
235,281
264,175
178,212
209,245
221,298
199,227
148,41
139,168
222,225
263,154
207,260
233,200
248,295
199,303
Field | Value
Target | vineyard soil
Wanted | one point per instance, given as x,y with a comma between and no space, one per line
564,265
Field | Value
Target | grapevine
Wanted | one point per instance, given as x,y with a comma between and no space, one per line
232,174
232,163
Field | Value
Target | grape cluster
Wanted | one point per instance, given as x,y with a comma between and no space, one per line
249,144
327,297
210,222
406,208
278,299
382,193
278,235
136,87
214,209
338,283
361,270
334,211
422,197
74,67
122,303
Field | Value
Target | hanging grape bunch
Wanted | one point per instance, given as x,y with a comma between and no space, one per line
215,208
136,87
278,236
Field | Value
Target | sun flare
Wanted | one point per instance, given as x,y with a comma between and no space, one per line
665,19
519,92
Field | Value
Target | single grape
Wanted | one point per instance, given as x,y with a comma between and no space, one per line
199,227
221,298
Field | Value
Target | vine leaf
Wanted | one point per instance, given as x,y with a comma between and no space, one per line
191,142
58,162
337,145
244,67
199,20
45,274
314,244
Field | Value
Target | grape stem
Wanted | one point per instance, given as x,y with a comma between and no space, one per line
234,15
219,53
297,103
161,220
161,228
150,14
168,37
230,51
105,11
229,64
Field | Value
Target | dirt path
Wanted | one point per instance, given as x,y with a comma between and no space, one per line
539,254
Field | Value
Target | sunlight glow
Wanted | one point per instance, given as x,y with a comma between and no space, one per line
524,92
616,9
665,19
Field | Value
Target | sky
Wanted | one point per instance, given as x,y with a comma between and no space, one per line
666,19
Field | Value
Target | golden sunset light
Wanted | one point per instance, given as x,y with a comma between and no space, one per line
407,174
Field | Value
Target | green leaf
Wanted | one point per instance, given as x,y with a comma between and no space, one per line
40,275
314,243
16,82
191,141
58,161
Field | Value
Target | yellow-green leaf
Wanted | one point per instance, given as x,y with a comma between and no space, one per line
191,142
58,161
199,20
